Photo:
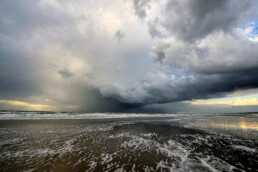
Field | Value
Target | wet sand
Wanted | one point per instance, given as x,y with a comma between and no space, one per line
149,143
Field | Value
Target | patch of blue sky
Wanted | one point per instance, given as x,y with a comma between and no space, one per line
251,29
179,72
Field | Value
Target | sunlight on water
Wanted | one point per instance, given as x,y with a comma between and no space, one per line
248,125
244,127
234,125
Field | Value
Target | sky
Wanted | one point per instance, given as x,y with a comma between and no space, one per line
142,56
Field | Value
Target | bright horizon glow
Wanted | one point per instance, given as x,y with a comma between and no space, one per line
249,100
26,105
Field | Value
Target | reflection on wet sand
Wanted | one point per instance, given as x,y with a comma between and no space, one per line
248,125
235,125
238,126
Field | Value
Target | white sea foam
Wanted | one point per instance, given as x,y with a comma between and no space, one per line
103,145
106,158
92,165
177,154
204,163
245,148
38,116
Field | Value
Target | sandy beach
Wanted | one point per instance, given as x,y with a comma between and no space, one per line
140,142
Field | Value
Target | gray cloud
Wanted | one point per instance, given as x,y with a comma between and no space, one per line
158,53
140,7
65,73
46,36
119,35
223,63
207,56
22,18
191,20
16,77
218,53
211,68
153,30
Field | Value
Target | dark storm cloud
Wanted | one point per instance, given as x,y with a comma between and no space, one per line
215,58
190,20
90,100
203,54
223,66
224,63
200,87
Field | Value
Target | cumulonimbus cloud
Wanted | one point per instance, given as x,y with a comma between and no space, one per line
58,53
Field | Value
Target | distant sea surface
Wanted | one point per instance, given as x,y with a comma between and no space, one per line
42,141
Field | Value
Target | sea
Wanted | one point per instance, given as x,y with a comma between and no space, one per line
51,141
